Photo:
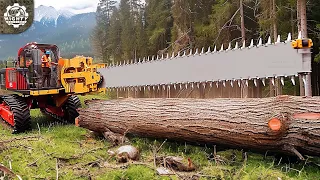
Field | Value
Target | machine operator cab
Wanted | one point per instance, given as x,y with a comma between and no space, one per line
35,68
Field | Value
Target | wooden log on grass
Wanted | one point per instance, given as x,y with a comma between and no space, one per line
285,124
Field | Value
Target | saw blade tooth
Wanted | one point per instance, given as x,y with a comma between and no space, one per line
247,82
263,82
172,55
237,46
175,87
169,87
158,87
215,49
282,81
162,57
190,53
192,86
272,80
202,50
293,80
229,47
300,35
217,84
198,85
209,50
152,59
231,83
197,51
255,82
251,44
180,86
204,85
304,80
184,53
186,85
224,83
167,55
178,54
239,83
149,88
243,44
278,39
211,84
289,38
260,42
158,57
120,63
269,41
221,48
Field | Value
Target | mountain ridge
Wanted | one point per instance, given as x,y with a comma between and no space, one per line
71,32
48,13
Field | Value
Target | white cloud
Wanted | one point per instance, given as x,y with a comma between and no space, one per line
75,6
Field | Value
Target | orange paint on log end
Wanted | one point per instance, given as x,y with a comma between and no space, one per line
283,97
275,124
77,122
309,116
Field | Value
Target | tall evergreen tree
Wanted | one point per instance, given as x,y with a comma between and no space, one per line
99,38
114,37
158,24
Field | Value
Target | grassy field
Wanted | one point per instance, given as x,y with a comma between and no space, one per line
54,150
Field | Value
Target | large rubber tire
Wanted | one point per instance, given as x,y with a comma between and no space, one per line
70,109
21,113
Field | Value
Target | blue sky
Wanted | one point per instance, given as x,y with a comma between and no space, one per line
75,6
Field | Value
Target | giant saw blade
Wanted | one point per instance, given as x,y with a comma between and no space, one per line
254,62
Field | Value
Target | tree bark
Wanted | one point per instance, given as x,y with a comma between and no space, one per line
244,89
303,14
299,15
241,123
302,88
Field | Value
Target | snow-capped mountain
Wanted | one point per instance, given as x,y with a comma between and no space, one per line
45,13
69,31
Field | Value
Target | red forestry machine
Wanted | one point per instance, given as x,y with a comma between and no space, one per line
68,77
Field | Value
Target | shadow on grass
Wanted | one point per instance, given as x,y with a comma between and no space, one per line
40,120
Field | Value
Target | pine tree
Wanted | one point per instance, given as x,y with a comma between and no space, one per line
158,24
99,37
114,37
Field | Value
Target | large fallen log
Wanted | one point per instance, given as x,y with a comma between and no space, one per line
283,124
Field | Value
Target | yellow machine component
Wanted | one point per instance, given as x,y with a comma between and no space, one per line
60,100
302,43
44,92
79,75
